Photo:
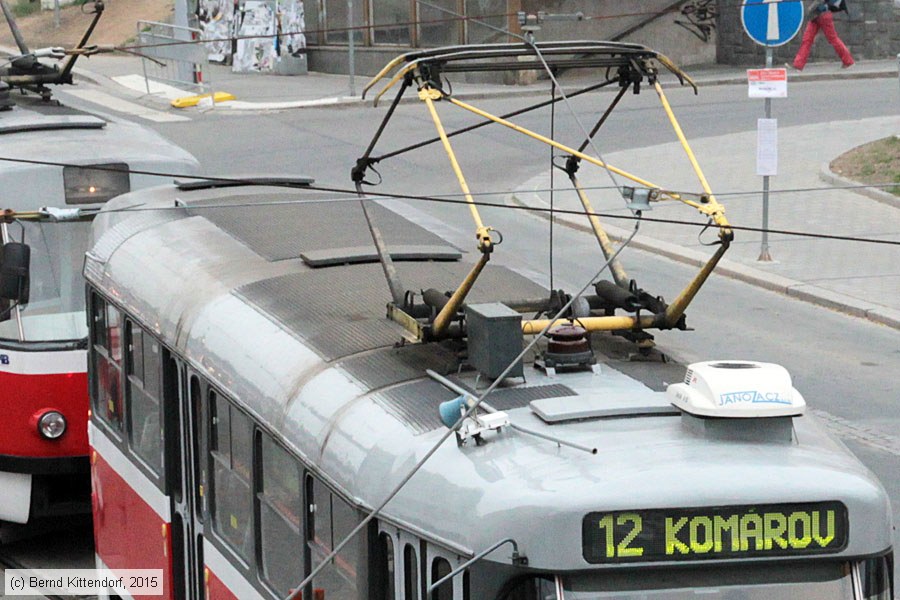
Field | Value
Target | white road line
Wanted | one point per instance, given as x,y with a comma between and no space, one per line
139,84
123,106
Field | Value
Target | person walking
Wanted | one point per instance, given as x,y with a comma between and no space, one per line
821,18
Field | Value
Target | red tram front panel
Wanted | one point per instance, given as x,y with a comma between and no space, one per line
34,383
41,476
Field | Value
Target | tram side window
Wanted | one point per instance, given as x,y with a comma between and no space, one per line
143,371
230,451
280,502
528,588
384,568
106,356
440,568
410,573
876,578
329,521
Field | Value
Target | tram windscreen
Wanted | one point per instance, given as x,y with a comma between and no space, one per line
810,581
55,311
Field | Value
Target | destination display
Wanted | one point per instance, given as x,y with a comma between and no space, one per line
745,531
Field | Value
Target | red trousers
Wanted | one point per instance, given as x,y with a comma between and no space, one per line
825,22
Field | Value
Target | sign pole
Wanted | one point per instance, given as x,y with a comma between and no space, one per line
764,255
351,54
769,23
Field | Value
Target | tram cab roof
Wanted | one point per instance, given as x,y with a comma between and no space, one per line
44,136
223,277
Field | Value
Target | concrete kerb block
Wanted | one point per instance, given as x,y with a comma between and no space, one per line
833,300
829,176
885,316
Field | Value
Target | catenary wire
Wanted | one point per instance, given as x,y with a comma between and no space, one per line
343,193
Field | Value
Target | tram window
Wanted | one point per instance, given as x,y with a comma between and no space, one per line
345,519
383,580
201,436
440,568
98,312
106,382
152,357
331,520
410,573
529,588
144,425
134,341
875,574
282,564
232,504
114,336
320,523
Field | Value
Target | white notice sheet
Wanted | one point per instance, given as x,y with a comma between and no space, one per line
767,147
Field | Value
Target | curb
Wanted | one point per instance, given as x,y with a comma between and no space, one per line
829,176
776,283
339,102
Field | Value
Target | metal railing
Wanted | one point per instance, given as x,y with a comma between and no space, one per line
180,65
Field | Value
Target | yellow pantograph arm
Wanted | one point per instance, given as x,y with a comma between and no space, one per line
382,73
397,77
711,207
429,95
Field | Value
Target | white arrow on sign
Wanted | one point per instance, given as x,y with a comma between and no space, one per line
772,32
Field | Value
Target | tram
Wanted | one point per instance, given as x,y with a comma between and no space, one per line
59,166
286,402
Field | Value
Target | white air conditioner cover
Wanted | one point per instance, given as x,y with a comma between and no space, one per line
737,388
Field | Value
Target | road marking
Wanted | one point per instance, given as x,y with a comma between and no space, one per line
137,83
123,106
772,32
850,431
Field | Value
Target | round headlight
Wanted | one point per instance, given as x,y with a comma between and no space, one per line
52,425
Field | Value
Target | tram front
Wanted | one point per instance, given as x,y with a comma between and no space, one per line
737,495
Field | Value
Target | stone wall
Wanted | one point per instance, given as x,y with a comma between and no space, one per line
658,24
871,31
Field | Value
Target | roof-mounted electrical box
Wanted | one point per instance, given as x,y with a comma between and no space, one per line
495,339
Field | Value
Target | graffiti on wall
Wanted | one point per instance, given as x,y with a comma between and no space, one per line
698,17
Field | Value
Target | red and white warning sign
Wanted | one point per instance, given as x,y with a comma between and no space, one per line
767,83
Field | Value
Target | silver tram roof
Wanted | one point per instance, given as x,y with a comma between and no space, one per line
308,352
47,132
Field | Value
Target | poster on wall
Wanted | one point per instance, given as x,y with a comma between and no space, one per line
216,18
256,28
292,40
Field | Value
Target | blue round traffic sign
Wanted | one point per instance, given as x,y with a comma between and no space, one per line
772,22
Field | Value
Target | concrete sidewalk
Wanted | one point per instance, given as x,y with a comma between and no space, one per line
858,278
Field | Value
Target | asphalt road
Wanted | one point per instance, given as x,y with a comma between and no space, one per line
847,368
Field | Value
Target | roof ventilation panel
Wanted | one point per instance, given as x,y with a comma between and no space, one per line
737,389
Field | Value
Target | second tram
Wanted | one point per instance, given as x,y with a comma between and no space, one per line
60,165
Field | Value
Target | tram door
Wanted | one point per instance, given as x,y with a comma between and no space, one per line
183,439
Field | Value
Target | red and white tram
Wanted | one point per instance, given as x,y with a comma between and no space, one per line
258,391
65,164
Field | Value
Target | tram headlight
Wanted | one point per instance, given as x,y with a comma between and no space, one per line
52,425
